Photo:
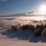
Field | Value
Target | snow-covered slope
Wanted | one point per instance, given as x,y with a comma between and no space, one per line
20,38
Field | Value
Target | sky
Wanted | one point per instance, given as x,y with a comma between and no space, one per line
18,6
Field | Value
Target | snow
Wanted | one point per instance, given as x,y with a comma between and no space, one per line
20,37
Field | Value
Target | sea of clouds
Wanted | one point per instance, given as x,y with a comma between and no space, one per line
7,22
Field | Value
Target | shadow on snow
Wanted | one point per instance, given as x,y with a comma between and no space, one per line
23,35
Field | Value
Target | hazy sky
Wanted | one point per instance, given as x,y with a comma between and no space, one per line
18,6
